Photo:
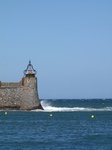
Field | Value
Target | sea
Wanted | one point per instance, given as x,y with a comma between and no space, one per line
64,124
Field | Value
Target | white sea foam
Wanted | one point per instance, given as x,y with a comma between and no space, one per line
67,109
48,108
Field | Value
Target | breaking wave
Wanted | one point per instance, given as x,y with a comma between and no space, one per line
49,108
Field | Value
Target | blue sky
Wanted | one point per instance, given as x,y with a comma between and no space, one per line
68,41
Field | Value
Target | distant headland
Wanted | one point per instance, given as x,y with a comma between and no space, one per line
21,95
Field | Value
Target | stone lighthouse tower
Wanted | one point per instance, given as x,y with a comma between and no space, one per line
30,98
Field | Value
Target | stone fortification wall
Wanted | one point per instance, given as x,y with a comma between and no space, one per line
10,95
21,95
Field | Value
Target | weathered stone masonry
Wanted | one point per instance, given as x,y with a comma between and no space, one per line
10,95
21,95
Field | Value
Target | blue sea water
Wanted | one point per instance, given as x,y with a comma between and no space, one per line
69,127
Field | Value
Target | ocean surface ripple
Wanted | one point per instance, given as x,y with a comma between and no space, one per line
64,124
